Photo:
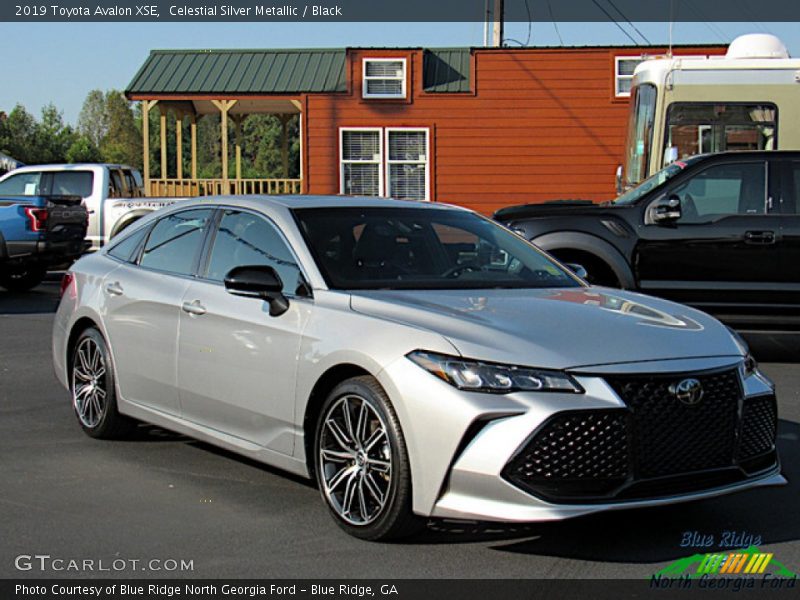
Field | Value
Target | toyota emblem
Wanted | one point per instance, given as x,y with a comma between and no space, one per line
688,391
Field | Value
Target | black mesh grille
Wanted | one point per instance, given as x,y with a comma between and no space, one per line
759,424
657,446
578,451
677,438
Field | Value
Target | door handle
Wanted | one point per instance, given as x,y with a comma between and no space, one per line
114,289
194,308
759,237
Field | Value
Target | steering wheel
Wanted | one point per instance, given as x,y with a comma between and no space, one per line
456,271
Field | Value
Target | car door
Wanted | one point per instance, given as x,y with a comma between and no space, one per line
722,255
236,363
142,301
787,293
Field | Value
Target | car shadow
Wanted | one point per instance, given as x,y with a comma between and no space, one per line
652,534
42,299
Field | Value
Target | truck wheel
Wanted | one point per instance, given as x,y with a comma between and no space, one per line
21,278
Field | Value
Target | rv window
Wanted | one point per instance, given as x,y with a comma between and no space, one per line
699,128
640,133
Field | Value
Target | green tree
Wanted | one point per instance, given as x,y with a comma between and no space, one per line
122,142
83,150
92,121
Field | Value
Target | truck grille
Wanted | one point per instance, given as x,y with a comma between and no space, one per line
657,446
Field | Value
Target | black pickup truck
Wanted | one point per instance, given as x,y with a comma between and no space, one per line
38,232
720,232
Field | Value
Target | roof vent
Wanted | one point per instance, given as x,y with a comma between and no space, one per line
757,45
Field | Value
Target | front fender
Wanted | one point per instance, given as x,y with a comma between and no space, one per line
585,242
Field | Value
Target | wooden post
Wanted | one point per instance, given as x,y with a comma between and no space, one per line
193,130
224,106
146,106
237,120
179,144
497,26
163,128
285,144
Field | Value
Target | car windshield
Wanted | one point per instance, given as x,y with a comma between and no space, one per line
422,248
632,196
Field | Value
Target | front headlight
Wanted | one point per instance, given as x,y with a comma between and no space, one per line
480,376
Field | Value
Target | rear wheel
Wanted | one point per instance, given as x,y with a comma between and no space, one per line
21,278
94,398
361,463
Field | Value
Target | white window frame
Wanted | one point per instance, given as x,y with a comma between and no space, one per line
380,160
364,78
618,77
426,162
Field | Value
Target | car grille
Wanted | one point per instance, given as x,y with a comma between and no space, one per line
656,446
759,426
576,452
676,438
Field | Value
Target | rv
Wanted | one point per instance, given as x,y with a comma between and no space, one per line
748,99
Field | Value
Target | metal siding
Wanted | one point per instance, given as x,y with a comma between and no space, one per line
447,70
236,72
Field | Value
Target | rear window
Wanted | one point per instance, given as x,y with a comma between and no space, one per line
126,249
22,184
73,183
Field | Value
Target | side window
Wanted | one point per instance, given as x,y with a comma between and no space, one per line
73,183
124,249
247,239
175,240
22,184
115,187
729,189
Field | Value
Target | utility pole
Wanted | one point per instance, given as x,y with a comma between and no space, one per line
497,26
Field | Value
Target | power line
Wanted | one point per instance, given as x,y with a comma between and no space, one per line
613,20
555,25
627,20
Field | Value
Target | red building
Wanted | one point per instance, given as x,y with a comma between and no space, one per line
479,127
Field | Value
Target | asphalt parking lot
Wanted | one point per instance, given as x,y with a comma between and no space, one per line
165,497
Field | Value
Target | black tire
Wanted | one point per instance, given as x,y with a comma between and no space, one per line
97,415
21,278
395,519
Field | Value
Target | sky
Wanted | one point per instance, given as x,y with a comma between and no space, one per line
62,62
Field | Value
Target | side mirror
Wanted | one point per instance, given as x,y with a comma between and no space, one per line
258,281
618,180
579,270
666,210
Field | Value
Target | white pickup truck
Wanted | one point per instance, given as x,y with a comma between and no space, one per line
113,194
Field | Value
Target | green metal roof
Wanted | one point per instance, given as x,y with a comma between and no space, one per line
447,70
240,72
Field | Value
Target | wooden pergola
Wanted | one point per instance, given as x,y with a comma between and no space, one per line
232,84
229,109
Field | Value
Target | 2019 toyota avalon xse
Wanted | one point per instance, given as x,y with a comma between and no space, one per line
416,359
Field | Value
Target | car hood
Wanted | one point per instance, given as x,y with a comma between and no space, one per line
555,328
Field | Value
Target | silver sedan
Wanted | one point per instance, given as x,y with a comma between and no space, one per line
417,360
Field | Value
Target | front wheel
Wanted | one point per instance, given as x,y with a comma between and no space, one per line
21,278
361,463
94,397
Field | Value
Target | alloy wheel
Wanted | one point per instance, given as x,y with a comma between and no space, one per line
89,393
355,457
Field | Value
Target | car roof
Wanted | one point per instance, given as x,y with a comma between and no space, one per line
70,167
313,201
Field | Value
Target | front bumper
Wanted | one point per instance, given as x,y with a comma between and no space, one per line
483,437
